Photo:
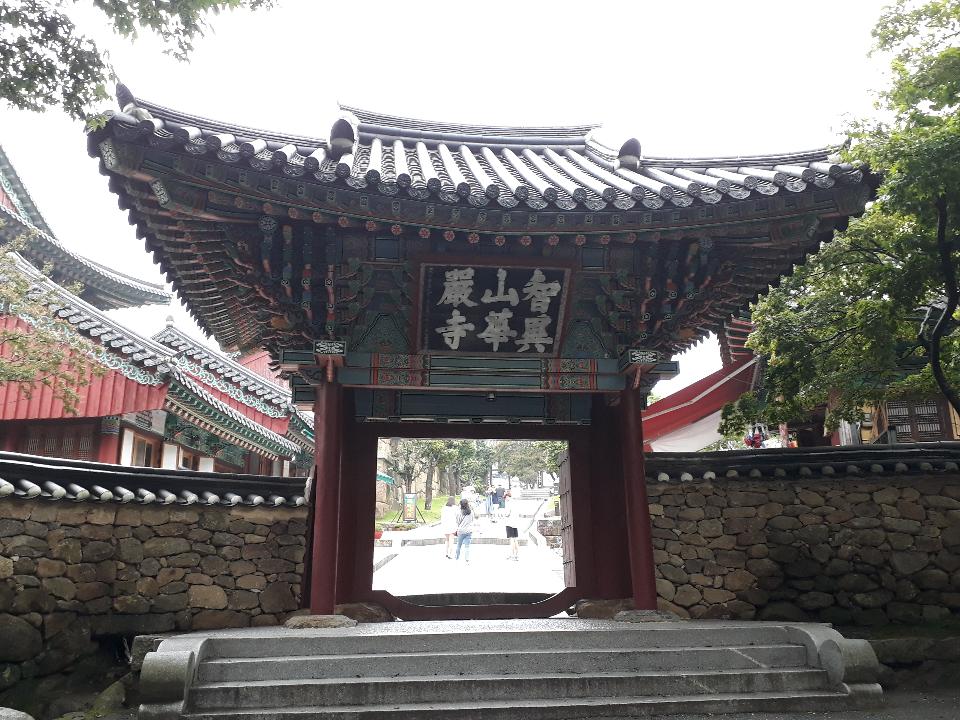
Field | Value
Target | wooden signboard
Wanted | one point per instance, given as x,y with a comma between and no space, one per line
492,309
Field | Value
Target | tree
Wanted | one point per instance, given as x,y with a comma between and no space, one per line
845,329
471,464
37,349
45,61
526,459
439,454
408,461
737,417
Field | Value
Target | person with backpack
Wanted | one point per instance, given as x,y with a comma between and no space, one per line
464,530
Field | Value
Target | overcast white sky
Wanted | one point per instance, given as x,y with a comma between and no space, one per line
686,79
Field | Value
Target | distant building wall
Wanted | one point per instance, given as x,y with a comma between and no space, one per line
915,420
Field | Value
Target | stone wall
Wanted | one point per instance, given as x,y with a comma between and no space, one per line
853,550
549,528
71,572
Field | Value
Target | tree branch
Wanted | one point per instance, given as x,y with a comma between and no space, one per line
953,299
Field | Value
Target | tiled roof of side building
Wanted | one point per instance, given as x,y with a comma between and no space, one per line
191,399
104,287
14,188
55,479
149,361
733,336
566,168
91,322
223,366
850,461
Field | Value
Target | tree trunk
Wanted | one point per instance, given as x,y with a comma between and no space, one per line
428,494
453,481
953,299
446,482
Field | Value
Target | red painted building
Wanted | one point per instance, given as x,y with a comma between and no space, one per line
166,401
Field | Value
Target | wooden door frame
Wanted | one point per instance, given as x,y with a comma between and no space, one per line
354,580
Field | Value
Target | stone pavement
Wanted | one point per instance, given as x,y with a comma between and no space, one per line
424,569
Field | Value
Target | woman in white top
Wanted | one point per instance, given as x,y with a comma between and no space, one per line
448,523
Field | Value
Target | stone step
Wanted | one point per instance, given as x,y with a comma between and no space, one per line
477,689
333,642
550,709
477,662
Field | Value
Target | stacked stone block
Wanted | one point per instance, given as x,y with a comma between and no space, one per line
551,531
71,572
852,550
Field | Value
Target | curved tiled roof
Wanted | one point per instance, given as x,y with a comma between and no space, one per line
199,406
91,322
104,287
239,219
222,365
28,476
155,362
564,168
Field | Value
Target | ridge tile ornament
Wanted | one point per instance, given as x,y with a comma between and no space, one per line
520,309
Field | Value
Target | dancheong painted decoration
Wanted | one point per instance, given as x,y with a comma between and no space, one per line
419,278
366,237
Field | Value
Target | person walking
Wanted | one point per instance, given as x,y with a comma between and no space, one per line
489,500
448,523
511,519
498,501
465,520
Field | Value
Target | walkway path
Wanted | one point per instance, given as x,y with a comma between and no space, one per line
424,569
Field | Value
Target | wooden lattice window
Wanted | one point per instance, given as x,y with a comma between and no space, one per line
918,420
74,441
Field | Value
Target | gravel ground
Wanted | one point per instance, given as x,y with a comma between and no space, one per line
941,704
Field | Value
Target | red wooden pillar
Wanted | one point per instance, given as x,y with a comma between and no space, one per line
108,440
10,437
640,542
328,421
611,562
358,508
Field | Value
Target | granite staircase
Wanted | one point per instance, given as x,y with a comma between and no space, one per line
554,669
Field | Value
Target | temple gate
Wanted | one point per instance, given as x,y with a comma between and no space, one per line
420,279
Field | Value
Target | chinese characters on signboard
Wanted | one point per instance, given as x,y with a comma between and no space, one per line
489,309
